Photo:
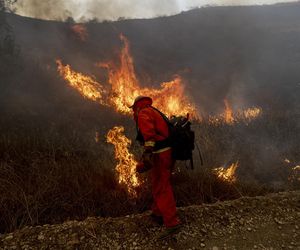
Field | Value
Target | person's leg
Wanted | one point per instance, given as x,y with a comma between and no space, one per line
162,190
155,184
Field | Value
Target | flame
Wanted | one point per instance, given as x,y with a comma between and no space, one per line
252,113
228,113
297,168
97,137
229,117
227,174
295,174
170,98
126,167
87,86
81,31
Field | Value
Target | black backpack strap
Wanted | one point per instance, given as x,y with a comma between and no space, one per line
163,116
158,144
139,136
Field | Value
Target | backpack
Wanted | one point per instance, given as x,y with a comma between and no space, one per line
181,138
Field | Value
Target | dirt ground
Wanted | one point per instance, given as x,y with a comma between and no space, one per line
267,222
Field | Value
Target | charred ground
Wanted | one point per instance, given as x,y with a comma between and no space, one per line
51,166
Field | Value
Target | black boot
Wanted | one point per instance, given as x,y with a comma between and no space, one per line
157,219
169,231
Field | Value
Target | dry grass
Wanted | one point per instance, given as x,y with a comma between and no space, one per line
49,176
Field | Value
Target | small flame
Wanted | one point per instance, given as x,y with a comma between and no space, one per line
97,137
81,31
228,113
252,113
297,168
227,174
230,118
295,174
126,167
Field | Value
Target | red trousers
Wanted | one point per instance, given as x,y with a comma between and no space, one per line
164,203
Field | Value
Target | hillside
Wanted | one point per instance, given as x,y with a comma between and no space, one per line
267,222
55,161
250,54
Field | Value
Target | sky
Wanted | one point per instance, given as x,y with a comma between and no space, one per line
85,10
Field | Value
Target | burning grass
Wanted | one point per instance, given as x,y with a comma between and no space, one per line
227,174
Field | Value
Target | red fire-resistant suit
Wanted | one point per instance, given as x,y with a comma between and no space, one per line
154,128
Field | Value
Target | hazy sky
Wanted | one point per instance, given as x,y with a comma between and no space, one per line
82,10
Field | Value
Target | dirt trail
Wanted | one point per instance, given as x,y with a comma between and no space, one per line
268,222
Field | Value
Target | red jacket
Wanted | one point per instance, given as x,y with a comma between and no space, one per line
151,124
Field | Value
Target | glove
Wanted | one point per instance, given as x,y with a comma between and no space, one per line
141,168
147,158
146,163
148,149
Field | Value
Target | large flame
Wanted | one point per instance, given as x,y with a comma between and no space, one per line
126,167
227,174
170,98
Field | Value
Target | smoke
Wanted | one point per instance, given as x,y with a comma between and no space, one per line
54,9
85,10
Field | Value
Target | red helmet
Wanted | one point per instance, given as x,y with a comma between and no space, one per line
139,98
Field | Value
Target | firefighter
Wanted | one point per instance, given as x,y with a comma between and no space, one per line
152,128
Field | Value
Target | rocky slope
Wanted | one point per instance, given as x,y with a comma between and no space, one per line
269,222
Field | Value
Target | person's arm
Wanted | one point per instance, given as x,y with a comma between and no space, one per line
147,128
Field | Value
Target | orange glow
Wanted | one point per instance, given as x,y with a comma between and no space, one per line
227,174
126,166
81,31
